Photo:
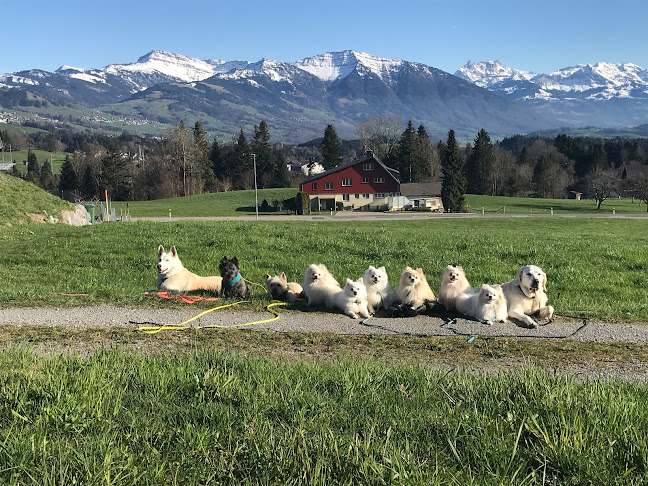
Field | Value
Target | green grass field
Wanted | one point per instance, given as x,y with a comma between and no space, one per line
56,158
595,266
523,205
207,417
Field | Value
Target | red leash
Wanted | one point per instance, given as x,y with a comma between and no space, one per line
184,298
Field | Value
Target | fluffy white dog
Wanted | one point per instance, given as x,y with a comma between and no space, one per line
319,285
453,283
525,296
486,305
413,289
352,299
377,284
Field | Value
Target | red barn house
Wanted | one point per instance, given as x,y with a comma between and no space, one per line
359,183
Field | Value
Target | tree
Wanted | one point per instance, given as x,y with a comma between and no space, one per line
115,174
33,167
453,185
282,177
89,187
265,163
216,160
380,134
601,183
479,166
238,165
426,163
642,190
201,147
69,179
47,179
183,154
406,153
331,148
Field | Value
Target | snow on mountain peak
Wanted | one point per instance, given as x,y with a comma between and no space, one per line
177,66
336,65
488,73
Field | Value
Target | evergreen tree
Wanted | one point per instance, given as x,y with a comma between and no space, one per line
265,163
427,160
331,148
201,146
47,178
216,160
33,168
114,175
282,177
69,179
479,166
453,185
239,164
406,153
89,187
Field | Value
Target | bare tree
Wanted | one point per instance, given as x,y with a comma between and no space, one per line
602,183
642,190
380,134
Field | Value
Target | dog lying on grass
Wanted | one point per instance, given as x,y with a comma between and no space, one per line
352,299
280,288
319,285
413,289
174,278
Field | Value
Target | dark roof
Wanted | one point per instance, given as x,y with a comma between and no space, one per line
369,157
422,189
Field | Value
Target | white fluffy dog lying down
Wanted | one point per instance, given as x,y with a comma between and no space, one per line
485,305
525,296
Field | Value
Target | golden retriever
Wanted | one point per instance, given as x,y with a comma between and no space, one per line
525,296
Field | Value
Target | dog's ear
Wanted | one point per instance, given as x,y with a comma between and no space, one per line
174,252
224,259
460,268
160,250
283,277
268,277
382,269
360,281
518,277
235,260
349,281
544,281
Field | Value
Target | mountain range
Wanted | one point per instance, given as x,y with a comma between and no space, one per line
299,99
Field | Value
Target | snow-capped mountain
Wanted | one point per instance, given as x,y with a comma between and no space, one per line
344,88
601,94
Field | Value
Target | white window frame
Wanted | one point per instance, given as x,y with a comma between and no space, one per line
328,186
379,180
347,182
314,186
368,166
346,197
365,195
365,180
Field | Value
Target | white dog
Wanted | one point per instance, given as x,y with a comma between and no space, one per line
453,283
486,305
173,277
319,285
352,299
377,284
413,289
525,296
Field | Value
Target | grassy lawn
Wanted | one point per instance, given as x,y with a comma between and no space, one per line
212,417
56,158
595,267
233,203
523,205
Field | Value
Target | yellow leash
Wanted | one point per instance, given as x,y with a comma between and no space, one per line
183,325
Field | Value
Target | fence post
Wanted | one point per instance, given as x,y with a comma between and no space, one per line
169,212
551,210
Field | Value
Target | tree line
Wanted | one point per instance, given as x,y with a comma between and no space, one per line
185,162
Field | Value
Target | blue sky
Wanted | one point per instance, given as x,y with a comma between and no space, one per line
526,34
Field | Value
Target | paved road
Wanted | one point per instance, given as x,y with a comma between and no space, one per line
309,321
370,216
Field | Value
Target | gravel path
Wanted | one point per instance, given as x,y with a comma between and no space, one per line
309,321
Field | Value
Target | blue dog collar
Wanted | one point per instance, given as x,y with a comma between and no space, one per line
236,279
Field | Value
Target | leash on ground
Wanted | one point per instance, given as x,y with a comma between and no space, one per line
155,328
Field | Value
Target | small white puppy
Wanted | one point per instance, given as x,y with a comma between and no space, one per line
453,283
486,305
352,299
319,285
525,296
377,284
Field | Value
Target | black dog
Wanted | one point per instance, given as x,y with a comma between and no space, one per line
233,284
